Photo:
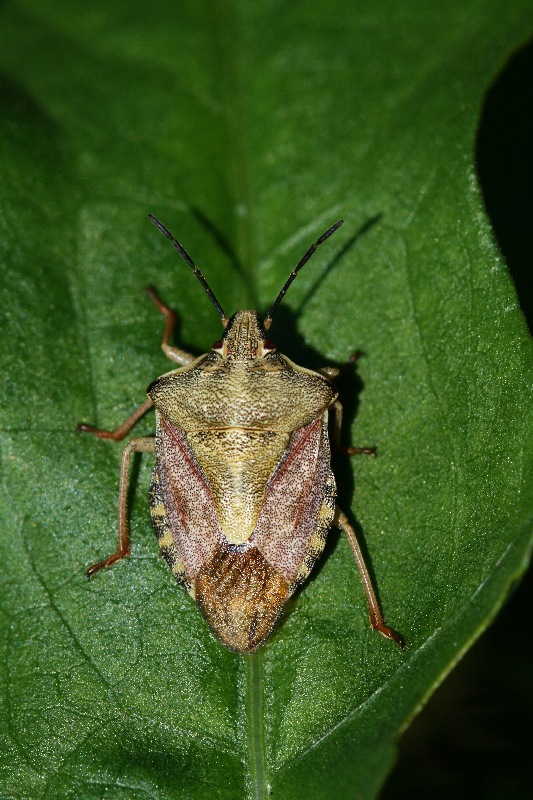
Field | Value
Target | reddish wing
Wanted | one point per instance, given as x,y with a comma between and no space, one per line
294,496
188,503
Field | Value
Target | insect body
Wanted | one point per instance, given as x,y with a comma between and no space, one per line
242,494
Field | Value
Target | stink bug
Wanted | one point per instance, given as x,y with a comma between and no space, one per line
242,494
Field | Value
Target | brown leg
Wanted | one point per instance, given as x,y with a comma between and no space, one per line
376,618
125,427
334,372
174,353
337,425
145,444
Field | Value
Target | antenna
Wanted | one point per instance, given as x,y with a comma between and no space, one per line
268,319
186,257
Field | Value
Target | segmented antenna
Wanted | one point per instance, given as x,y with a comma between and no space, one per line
268,319
186,257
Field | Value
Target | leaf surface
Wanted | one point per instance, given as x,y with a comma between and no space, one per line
248,129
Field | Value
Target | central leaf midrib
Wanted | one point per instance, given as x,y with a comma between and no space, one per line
257,767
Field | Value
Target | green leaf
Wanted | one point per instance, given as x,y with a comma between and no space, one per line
248,128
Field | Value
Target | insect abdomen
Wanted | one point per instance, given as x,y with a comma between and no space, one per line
241,596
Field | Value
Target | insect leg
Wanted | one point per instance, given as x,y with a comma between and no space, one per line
337,425
334,372
376,619
125,427
145,444
173,353
330,372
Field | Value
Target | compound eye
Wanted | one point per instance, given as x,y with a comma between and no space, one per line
218,345
268,346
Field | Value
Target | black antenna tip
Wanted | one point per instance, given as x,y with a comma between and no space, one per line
186,257
160,226
302,262
329,231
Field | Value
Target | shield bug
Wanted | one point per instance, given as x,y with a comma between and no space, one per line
242,494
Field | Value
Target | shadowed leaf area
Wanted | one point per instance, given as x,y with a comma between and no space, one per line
249,129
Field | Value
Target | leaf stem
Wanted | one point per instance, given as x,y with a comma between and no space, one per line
259,785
